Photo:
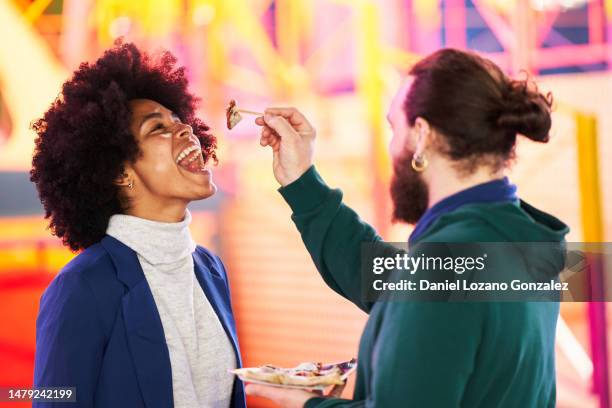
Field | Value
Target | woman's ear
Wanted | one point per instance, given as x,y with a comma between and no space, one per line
125,180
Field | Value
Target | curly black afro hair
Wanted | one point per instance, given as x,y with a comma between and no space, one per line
84,139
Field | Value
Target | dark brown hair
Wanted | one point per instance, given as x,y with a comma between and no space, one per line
84,138
476,108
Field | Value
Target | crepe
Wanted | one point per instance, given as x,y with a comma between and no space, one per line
305,375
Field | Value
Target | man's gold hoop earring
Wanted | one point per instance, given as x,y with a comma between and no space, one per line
130,184
419,163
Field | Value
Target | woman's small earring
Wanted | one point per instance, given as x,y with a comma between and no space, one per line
130,184
419,163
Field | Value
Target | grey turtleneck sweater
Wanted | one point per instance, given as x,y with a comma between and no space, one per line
200,352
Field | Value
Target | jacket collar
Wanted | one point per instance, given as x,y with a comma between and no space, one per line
144,330
129,271
216,291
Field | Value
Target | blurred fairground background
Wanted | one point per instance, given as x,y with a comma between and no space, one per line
339,62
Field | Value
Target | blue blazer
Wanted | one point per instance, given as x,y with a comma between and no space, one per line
98,330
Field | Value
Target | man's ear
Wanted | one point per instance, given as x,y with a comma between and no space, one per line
424,135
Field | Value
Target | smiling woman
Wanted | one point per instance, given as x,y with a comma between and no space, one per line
118,120
142,316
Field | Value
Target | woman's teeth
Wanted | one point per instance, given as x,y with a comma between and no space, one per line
190,159
186,153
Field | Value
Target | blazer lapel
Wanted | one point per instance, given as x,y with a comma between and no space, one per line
144,330
215,289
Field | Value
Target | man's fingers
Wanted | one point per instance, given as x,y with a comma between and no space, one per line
253,389
273,143
294,116
280,125
269,138
336,391
296,120
267,132
261,391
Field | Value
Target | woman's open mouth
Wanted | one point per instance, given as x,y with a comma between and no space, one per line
191,159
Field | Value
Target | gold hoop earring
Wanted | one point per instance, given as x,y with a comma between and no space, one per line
419,163
130,184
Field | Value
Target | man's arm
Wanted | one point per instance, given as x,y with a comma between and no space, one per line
332,232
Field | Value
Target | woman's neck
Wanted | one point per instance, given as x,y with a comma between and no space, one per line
161,212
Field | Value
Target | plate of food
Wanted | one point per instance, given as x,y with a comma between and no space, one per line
311,376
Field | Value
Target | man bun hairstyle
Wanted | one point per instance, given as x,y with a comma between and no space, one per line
476,108
526,111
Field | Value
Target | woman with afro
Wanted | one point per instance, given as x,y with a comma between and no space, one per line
141,317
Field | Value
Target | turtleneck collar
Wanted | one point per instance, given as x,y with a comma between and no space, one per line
156,242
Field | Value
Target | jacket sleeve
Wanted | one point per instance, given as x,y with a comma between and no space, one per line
333,234
423,357
69,340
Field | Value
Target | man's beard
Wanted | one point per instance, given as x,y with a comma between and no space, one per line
409,191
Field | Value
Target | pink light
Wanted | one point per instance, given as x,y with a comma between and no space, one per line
454,13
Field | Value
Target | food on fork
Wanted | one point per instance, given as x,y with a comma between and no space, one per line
232,113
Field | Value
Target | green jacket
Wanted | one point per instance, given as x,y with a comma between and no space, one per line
435,354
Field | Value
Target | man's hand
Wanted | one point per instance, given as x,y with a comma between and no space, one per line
292,138
285,398
288,398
